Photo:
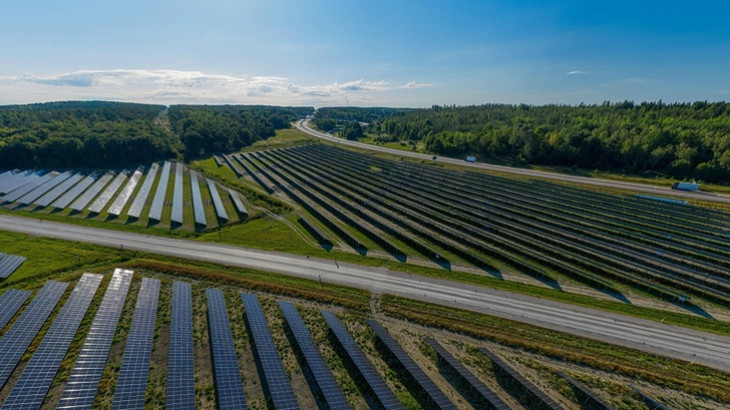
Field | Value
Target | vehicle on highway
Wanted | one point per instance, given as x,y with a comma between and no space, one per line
471,159
686,186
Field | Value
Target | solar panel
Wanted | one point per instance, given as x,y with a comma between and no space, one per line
98,205
81,386
321,373
16,341
5,177
588,393
32,386
10,303
72,194
177,195
486,395
180,375
159,199
29,184
228,383
427,386
80,203
238,203
376,383
54,193
275,382
116,207
135,210
43,188
15,180
132,382
220,210
198,209
9,264
650,402
529,387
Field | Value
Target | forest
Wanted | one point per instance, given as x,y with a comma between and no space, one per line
331,118
683,140
99,134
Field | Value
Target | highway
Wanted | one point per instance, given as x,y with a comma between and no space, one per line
672,341
303,125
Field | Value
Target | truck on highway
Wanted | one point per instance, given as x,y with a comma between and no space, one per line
471,159
686,186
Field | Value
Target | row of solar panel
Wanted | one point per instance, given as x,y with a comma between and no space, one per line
9,264
78,190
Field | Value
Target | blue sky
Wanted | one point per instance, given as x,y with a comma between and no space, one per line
396,53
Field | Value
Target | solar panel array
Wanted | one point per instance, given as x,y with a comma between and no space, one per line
650,402
590,396
5,178
16,341
82,384
116,207
180,374
220,210
33,182
132,382
159,199
10,183
73,193
9,264
98,205
485,393
228,382
276,383
54,193
237,202
80,203
177,195
512,373
317,365
43,188
435,395
10,303
198,209
382,392
135,210
33,384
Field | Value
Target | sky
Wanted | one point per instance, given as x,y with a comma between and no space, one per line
402,53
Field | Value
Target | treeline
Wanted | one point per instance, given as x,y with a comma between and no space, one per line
100,134
207,129
678,140
331,118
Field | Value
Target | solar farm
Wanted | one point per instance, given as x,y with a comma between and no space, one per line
150,340
171,196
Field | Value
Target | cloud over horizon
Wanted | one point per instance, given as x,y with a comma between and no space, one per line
176,86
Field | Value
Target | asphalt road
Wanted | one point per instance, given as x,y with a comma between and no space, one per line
705,348
630,186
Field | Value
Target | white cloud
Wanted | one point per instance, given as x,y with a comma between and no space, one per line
174,86
576,72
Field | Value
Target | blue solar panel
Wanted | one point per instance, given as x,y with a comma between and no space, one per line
65,199
116,207
9,264
16,180
135,210
321,373
228,383
43,188
177,195
159,199
435,395
15,342
276,383
180,375
54,193
6,177
198,209
33,182
238,203
371,376
132,382
98,205
220,210
81,386
32,386
80,203
10,303
486,395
